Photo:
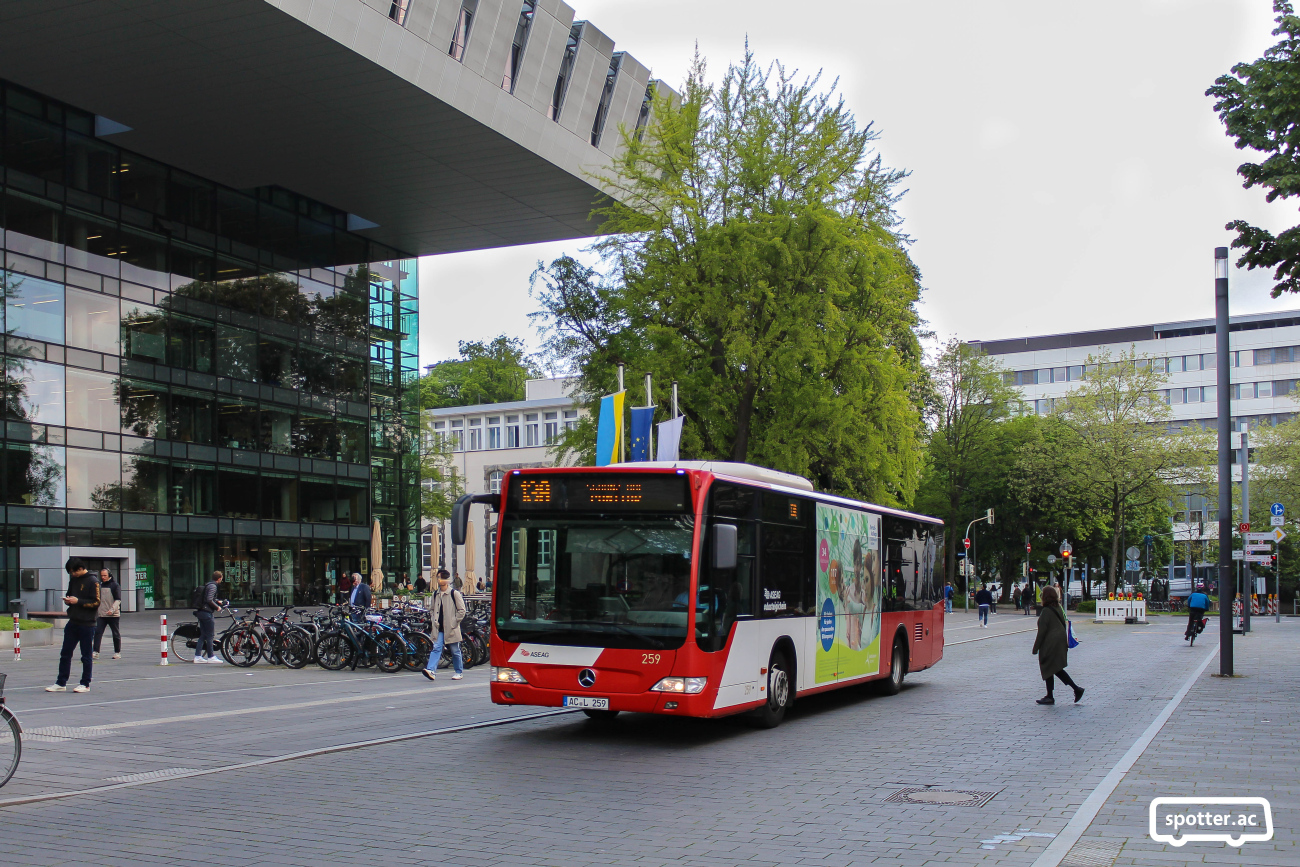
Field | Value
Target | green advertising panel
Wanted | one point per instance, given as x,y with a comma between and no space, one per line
848,593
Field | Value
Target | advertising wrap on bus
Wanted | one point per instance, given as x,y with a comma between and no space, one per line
848,593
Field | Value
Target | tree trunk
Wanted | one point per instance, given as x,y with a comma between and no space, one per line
1117,530
744,417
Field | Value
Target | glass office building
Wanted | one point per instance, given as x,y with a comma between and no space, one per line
210,377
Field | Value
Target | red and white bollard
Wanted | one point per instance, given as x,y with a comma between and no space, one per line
18,640
163,639
1254,604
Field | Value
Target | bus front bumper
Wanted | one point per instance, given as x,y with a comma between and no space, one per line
645,702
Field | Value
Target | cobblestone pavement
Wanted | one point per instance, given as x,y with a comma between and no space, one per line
644,790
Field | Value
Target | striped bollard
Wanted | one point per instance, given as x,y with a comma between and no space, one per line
18,640
163,639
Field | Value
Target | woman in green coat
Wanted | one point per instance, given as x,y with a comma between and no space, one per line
1051,646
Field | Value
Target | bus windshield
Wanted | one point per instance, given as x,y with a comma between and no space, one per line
599,580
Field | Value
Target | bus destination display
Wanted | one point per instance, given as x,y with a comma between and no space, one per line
641,492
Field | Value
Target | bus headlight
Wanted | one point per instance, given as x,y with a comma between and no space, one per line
507,675
680,685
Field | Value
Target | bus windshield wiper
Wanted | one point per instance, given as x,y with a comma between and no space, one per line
654,641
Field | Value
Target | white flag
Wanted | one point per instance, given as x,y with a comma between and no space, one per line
670,437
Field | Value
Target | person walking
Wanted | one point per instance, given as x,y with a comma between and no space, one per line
1197,604
448,611
984,599
1027,597
345,589
82,600
1015,597
209,604
1052,647
110,613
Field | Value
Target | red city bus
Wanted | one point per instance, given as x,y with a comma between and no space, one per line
702,589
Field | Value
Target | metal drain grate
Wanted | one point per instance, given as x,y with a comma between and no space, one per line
150,775
930,796
1092,853
60,734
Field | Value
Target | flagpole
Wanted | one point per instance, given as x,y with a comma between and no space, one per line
650,437
674,398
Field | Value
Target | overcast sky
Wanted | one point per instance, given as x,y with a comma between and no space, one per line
1067,171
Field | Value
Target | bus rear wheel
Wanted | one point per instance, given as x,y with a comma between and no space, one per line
897,668
780,692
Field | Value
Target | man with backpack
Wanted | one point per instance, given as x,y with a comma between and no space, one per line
205,602
448,611
1197,604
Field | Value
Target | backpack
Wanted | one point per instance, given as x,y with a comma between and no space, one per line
197,595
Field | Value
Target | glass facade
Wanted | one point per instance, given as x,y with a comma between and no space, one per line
216,378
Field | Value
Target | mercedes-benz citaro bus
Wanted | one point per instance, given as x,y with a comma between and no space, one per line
702,589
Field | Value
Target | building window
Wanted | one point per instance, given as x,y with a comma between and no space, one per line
570,419
494,481
551,427
643,117
33,307
475,434
512,431
488,555
397,12
606,96
426,551
494,432
457,433
566,69
460,38
1263,389
530,430
516,56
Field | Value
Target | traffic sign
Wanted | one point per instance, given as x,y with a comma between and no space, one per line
966,542
1259,548
1278,535
1277,509
1133,565
1051,558
1259,558
1260,537
1237,554
1132,553
1277,520
1243,526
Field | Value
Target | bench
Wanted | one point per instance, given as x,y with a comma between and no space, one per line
56,618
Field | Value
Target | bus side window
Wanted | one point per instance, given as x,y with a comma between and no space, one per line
725,594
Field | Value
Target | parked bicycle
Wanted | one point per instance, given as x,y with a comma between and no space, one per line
11,738
185,637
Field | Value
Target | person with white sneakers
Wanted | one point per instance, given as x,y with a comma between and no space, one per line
110,613
208,604
448,611
82,600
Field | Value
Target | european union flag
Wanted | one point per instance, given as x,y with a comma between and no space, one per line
642,419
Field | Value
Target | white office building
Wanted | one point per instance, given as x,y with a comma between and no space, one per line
489,440
1265,357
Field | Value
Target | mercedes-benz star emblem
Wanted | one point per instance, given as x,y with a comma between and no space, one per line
587,678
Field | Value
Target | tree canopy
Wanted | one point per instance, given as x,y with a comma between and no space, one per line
1259,104
492,372
754,256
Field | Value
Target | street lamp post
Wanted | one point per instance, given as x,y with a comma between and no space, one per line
1224,377
970,560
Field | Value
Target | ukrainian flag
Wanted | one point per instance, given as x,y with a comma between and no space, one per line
609,432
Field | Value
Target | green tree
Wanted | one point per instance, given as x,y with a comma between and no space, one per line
1107,453
754,256
492,372
440,481
1259,104
968,402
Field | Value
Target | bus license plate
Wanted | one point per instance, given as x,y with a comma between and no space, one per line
586,701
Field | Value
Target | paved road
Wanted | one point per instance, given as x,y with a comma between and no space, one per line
646,790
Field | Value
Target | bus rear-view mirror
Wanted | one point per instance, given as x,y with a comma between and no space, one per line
724,546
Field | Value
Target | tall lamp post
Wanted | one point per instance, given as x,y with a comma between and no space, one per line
1224,377
986,518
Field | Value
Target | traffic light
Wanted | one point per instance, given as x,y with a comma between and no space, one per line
1272,561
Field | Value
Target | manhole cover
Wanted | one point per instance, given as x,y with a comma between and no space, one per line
932,796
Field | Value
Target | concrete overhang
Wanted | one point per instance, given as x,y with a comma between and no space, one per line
328,98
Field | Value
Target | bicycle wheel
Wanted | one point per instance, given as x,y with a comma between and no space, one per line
419,646
333,652
295,650
11,744
241,647
183,642
389,653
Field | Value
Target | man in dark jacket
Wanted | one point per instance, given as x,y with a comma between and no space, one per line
82,600
983,598
361,595
208,606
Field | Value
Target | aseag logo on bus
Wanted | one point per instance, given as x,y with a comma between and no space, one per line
848,593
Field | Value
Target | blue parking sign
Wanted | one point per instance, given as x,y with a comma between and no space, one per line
1278,509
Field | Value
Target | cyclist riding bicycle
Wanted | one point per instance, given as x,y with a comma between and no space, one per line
1197,604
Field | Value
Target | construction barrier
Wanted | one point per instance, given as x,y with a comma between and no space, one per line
1121,610
1272,604
18,640
1254,604
163,618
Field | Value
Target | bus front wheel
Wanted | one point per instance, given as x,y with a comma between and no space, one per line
780,692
